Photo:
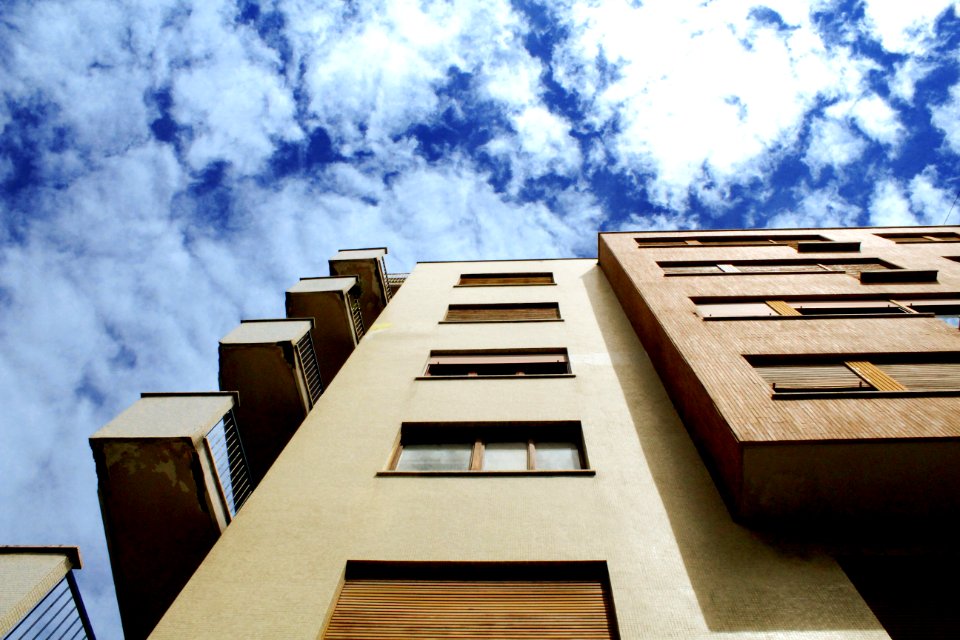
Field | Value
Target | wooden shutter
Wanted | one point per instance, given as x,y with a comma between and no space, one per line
502,312
495,609
503,279
833,377
926,376
776,267
697,268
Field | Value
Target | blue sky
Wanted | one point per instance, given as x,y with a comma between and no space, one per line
168,168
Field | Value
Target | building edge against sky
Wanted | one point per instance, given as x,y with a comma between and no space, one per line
511,426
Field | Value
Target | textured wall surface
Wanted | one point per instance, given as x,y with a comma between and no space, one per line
679,566
729,409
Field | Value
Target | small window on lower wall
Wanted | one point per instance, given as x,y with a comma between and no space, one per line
497,363
489,448
519,600
857,375
518,312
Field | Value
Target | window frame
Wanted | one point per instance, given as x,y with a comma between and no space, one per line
869,367
740,240
729,267
920,237
506,276
493,358
504,306
479,434
900,305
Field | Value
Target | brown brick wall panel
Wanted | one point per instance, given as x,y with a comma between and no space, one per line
702,364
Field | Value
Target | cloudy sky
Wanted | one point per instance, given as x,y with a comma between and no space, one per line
167,168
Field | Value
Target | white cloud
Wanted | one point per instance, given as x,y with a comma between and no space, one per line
817,208
889,206
933,204
909,72
874,117
946,117
724,91
832,144
904,27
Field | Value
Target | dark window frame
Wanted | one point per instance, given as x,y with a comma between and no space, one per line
464,280
479,434
496,364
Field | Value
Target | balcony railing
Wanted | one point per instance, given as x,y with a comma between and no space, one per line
223,443
60,614
358,328
311,370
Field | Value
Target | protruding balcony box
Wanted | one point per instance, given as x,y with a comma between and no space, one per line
273,366
163,502
39,597
334,305
368,265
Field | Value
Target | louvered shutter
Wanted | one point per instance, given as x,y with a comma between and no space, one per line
927,376
504,313
698,268
502,610
833,377
504,279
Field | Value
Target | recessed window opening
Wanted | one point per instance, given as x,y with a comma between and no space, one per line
860,373
505,279
491,447
801,265
497,363
731,240
925,236
503,312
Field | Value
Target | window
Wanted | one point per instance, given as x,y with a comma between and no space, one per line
491,448
842,265
497,363
522,312
728,241
520,600
804,376
832,306
504,279
911,238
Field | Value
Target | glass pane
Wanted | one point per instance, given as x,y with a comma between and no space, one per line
557,455
505,456
734,309
953,321
435,457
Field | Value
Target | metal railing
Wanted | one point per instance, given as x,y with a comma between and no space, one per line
358,328
311,370
385,279
396,280
60,614
223,442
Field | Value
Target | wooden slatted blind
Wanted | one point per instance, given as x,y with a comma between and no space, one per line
875,376
501,609
926,376
504,279
700,268
503,312
803,377
782,308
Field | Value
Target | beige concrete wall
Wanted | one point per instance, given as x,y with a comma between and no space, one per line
679,567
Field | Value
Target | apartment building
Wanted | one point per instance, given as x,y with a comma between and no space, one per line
498,458
567,448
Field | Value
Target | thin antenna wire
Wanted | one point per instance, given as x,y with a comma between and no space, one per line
951,208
